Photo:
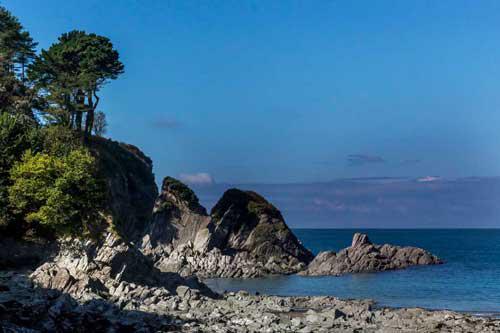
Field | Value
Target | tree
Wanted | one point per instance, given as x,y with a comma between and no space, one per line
16,135
62,193
17,48
100,124
72,71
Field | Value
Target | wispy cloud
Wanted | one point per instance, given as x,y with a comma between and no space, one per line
362,159
200,178
428,179
165,123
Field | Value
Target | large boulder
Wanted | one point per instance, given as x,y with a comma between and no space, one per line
245,221
363,256
244,236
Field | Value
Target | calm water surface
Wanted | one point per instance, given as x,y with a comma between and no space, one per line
468,281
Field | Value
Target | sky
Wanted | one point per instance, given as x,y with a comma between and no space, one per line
296,91
425,202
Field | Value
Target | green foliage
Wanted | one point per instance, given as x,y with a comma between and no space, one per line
63,193
59,140
71,72
17,48
180,190
17,134
247,202
47,177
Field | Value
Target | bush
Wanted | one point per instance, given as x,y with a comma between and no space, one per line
59,140
17,134
62,193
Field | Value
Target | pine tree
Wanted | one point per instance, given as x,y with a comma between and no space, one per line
72,71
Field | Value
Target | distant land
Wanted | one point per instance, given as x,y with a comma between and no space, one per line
386,202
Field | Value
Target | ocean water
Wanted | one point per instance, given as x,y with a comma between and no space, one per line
469,280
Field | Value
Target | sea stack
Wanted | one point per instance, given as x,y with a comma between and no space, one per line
363,256
244,236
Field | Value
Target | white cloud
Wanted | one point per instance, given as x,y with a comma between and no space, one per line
428,179
200,178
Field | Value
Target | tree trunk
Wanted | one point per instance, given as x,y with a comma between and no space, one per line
89,121
78,120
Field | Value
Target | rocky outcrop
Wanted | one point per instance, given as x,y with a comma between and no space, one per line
363,256
26,308
131,186
178,219
244,236
112,270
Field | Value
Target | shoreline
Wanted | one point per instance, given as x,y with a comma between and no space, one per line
230,312
377,304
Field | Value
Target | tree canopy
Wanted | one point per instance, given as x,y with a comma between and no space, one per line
17,48
71,73
50,178
62,193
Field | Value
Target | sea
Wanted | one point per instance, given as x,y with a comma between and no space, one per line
468,281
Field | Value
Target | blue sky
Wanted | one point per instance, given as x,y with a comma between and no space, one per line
297,91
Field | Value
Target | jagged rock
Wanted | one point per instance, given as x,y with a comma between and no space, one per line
110,269
24,308
178,219
244,236
363,256
27,309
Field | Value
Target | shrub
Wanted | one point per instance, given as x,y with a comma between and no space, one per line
62,193
60,141
17,133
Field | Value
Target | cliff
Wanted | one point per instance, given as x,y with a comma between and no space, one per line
131,186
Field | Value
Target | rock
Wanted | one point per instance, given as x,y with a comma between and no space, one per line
131,184
245,236
363,256
27,308
359,240
18,254
110,268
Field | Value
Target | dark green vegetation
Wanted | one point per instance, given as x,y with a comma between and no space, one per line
54,175
247,201
180,190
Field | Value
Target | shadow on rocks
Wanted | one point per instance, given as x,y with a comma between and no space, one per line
26,308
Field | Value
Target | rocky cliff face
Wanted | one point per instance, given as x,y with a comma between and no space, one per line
178,219
111,269
132,190
363,256
244,236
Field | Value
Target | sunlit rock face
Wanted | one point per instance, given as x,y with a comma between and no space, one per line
244,236
363,256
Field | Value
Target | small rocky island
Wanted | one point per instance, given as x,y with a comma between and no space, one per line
363,257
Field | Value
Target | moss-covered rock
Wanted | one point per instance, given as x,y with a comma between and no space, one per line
181,193
245,221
